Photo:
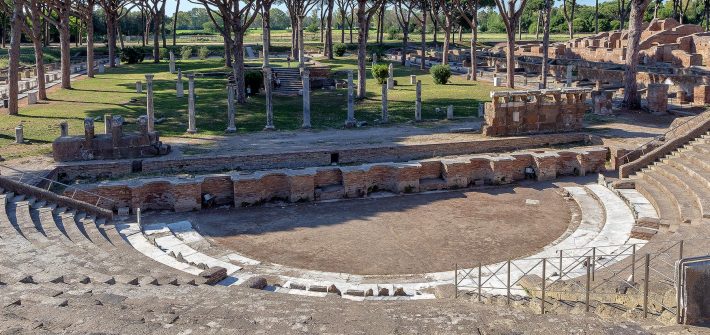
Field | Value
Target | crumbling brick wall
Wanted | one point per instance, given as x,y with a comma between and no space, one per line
531,112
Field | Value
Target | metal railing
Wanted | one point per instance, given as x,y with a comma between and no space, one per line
661,138
35,178
577,274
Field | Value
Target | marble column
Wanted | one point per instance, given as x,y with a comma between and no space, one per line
107,123
231,107
350,122
418,103
305,79
390,78
450,112
139,87
191,104
172,62
412,79
301,44
385,112
269,106
150,111
569,76
179,87
19,134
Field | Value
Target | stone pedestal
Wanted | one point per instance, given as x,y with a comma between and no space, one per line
19,134
231,108
350,122
374,58
450,112
657,98
390,78
63,129
139,87
150,111
107,123
385,112
497,82
269,106
191,104
179,88
413,79
102,68
701,95
171,66
305,79
31,98
568,78
418,102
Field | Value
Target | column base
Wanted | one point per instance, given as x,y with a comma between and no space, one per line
231,130
191,131
269,128
306,126
350,123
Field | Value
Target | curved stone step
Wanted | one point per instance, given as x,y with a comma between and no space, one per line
687,206
49,225
666,208
697,190
24,221
7,228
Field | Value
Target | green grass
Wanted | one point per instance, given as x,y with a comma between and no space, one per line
113,92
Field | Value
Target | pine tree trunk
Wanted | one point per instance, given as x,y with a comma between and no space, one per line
156,38
175,17
90,49
64,41
266,31
361,49
329,30
510,58
111,31
39,64
422,66
546,41
14,61
632,99
447,35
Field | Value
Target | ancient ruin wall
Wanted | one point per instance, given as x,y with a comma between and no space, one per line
532,112
242,190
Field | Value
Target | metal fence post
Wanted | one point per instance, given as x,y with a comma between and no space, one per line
594,261
544,280
480,283
507,286
633,264
587,289
645,285
456,280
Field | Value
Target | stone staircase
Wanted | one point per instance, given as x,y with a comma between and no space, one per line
290,81
42,242
678,185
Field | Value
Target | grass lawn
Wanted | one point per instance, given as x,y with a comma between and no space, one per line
113,92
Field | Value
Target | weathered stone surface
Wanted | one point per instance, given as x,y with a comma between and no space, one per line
213,275
256,283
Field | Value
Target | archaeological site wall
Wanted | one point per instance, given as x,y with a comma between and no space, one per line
240,189
97,170
538,111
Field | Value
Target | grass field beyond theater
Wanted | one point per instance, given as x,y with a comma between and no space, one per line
114,93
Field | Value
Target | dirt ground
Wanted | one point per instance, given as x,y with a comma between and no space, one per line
392,235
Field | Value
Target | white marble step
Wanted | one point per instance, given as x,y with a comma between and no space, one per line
170,243
132,233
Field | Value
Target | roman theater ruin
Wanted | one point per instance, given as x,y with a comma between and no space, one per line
546,208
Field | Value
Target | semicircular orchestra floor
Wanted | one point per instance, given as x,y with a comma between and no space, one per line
394,235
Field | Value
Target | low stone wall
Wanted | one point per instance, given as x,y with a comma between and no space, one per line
97,170
526,112
61,201
336,182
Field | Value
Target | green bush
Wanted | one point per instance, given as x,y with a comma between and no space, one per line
380,72
339,49
164,53
392,33
132,55
441,74
253,80
186,52
313,28
203,52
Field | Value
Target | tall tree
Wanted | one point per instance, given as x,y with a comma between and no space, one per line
403,11
345,7
546,41
568,11
423,6
297,9
623,10
465,7
364,15
59,15
85,11
632,99
175,19
235,22
510,15
328,47
156,10
114,11
14,9
34,28
447,8
266,29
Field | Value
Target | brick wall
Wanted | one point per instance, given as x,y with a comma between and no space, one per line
242,189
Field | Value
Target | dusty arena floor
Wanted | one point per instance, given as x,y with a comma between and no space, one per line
393,235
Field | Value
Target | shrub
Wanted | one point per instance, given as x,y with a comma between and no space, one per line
164,53
203,52
392,33
186,52
380,72
132,55
441,74
253,80
339,49
313,28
